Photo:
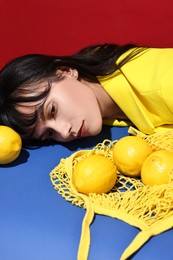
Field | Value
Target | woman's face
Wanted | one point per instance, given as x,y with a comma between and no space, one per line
71,111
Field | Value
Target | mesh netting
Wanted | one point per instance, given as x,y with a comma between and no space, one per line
148,208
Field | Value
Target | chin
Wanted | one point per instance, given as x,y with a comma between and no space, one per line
97,131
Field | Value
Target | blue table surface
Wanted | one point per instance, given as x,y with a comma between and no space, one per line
36,223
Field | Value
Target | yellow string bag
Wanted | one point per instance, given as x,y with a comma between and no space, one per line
149,208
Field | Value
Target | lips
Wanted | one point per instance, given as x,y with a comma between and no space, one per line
81,132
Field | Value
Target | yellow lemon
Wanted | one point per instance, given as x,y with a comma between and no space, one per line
10,144
156,168
129,153
94,174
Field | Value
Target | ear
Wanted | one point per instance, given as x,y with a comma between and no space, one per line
67,72
72,73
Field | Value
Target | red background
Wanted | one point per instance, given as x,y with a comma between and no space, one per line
64,26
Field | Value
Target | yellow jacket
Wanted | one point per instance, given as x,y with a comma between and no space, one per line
143,89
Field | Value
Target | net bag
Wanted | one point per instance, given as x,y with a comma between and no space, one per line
149,208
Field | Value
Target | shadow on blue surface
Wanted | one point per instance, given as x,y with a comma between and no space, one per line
22,158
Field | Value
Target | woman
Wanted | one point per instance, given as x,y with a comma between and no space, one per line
68,97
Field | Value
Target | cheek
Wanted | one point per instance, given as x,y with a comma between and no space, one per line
76,100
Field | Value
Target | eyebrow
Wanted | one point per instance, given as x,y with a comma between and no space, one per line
40,112
40,137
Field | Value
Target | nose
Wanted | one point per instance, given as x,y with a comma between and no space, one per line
61,130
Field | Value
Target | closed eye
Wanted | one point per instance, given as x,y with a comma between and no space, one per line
53,111
50,135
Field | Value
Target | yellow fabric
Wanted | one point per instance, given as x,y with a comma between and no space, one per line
148,208
143,89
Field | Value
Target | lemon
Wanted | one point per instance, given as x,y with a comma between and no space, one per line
129,153
156,168
10,144
94,174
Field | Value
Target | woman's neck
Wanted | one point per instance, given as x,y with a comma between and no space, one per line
109,109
